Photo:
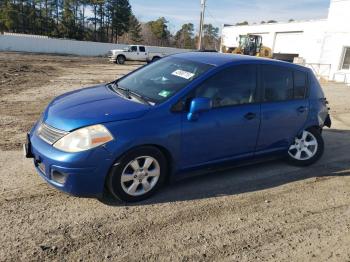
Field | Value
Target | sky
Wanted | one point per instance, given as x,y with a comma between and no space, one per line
219,12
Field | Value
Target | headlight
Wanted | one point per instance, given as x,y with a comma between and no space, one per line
84,139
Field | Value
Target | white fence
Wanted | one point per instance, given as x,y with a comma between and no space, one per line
29,43
342,77
26,35
322,71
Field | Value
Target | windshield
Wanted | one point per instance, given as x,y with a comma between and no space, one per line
162,79
243,41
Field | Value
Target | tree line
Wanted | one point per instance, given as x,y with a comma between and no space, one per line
110,21
263,22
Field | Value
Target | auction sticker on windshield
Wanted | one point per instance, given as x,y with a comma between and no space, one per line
182,74
164,93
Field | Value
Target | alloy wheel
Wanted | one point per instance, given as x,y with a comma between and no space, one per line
140,175
304,146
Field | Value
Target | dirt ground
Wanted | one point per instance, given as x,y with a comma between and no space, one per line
269,211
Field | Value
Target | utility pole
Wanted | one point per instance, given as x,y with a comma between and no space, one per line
201,23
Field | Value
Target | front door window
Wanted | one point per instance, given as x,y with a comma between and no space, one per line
233,86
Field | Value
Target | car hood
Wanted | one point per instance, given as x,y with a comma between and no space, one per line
90,106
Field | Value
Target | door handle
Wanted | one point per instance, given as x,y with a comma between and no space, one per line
250,116
302,109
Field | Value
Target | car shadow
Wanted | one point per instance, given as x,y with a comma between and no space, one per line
335,162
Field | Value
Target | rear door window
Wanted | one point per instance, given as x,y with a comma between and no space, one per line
300,84
142,49
277,83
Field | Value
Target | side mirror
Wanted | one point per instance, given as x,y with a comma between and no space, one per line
198,105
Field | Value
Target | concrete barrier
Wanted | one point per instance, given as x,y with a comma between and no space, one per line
30,43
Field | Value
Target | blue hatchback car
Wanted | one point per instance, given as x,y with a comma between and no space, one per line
182,113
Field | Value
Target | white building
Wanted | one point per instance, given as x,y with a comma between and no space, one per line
323,44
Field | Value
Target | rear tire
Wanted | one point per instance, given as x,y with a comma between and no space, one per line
306,148
121,60
139,174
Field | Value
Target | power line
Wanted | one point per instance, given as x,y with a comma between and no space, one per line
211,15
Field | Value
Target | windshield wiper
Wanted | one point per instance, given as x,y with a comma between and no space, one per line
125,92
128,93
114,89
140,97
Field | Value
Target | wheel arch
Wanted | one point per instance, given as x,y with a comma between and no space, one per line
166,152
156,57
168,157
121,55
313,126
312,122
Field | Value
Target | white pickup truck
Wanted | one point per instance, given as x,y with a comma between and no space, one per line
133,53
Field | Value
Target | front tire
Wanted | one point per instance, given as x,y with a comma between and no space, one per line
121,60
139,174
306,148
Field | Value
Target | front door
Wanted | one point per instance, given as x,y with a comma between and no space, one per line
285,108
230,129
133,54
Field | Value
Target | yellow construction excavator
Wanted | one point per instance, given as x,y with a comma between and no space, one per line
251,45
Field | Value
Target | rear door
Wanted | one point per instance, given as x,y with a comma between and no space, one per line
284,108
142,56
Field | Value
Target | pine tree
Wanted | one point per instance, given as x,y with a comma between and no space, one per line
10,16
135,30
101,14
184,37
68,19
211,36
120,13
160,30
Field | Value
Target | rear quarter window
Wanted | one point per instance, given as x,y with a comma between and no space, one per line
300,84
316,91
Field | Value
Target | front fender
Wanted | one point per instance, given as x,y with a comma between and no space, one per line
159,130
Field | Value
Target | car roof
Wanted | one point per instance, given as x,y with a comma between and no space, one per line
220,59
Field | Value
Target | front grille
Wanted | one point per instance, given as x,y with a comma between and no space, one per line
110,53
50,134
